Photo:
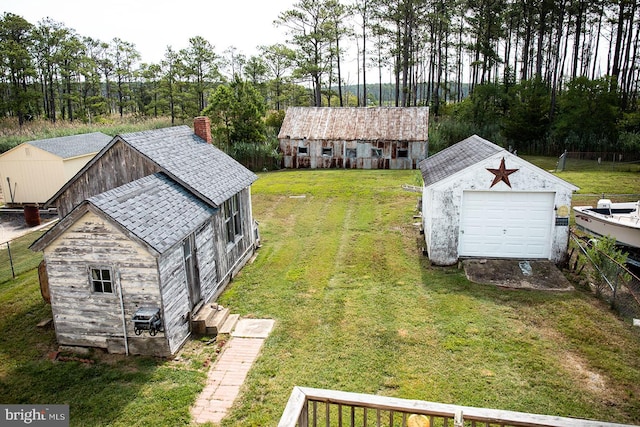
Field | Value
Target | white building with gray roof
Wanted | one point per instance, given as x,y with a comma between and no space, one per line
481,201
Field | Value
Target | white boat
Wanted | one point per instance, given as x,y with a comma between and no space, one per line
618,220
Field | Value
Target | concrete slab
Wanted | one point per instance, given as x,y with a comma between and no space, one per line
517,274
253,328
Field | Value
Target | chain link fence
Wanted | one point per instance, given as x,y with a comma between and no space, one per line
598,160
16,258
610,280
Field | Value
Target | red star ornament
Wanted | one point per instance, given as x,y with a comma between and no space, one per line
501,174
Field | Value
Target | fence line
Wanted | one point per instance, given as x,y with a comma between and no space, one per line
16,257
620,286
581,160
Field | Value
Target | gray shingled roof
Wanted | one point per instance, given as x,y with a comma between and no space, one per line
351,124
204,169
67,147
456,158
158,210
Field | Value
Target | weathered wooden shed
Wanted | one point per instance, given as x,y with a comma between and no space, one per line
167,242
356,138
33,171
480,200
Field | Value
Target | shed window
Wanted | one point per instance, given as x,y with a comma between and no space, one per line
303,150
101,280
232,218
327,151
352,153
403,153
376,152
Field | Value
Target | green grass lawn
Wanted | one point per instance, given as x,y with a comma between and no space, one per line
357,308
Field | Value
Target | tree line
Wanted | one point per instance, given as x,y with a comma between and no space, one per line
545,75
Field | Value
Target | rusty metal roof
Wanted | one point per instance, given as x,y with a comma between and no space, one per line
352,124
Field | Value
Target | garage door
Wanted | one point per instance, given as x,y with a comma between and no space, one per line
506,224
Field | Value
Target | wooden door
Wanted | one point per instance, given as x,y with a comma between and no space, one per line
191,269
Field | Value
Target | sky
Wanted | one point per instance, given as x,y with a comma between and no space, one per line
152,25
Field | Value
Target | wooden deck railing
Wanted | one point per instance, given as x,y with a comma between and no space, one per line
311,407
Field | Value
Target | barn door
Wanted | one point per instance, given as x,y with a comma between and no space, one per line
191,268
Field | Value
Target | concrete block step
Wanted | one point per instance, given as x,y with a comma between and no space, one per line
214,323
229,324
204,317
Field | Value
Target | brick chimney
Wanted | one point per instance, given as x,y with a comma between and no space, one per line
202,128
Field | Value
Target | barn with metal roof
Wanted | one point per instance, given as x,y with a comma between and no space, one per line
354,138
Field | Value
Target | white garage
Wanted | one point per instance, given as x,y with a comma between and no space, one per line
481,201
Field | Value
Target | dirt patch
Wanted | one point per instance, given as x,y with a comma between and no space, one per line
589,379
517,274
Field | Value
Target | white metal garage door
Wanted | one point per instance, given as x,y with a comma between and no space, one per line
506,224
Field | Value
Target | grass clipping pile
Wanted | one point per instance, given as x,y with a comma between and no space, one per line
538,275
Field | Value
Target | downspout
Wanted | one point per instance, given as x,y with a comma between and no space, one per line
252,222
124,321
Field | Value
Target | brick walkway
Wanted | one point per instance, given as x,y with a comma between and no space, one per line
228,373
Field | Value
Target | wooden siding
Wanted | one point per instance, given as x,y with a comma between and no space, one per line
175,297
205,250
354,138
351,154
86,318
231,256
117,166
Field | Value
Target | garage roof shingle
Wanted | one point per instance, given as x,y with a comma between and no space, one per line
456,158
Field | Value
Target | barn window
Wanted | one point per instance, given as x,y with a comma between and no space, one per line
327,151
403,153
101,280
352,153
232,218
376,152
303,150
